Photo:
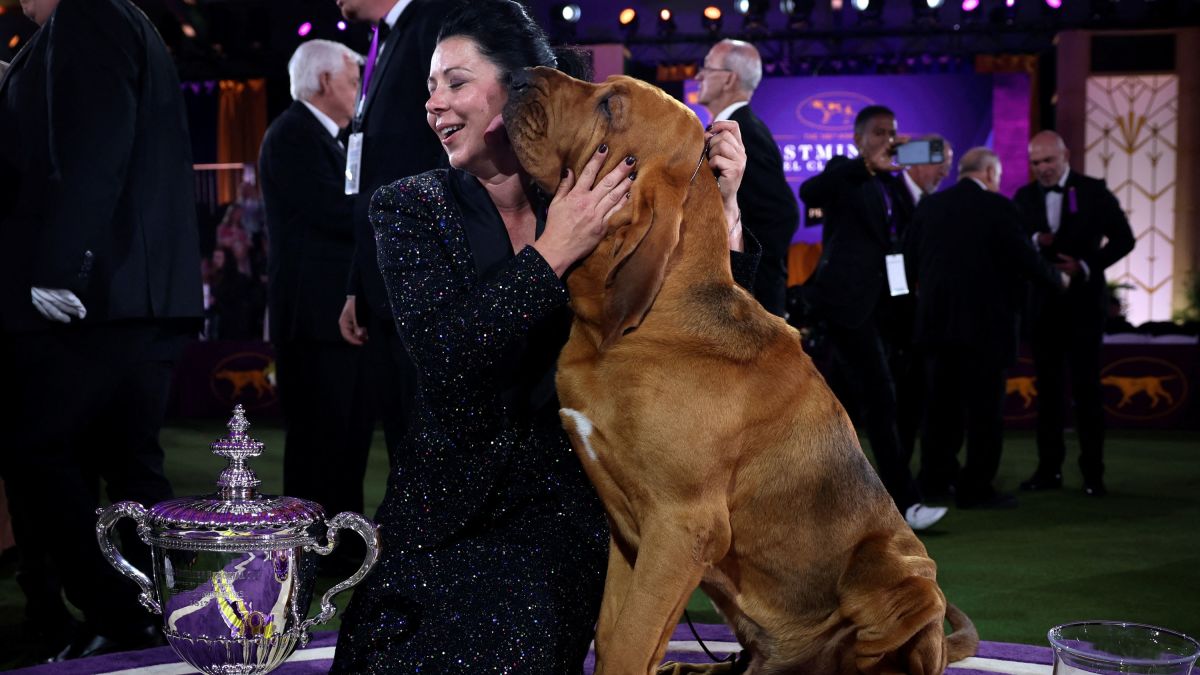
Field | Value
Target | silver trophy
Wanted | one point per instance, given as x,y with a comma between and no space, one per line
234,571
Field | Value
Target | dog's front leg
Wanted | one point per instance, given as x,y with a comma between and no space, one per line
616,586
672,555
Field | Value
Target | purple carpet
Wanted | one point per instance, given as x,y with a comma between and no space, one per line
993,657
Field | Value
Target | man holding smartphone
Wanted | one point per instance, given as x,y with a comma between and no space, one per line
852,287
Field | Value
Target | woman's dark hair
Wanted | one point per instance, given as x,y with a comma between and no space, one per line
509,38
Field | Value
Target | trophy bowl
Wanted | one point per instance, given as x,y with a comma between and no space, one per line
234,572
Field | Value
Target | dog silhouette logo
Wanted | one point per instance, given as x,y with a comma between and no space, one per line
1143,388
1020,392
831,110
1024,387
245,377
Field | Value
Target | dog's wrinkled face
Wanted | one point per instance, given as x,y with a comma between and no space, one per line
555,121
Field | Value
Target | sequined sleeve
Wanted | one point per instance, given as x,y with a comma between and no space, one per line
456,326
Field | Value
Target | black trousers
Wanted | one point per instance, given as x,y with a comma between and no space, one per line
89,405
860,354
966,394
329,417
1066,348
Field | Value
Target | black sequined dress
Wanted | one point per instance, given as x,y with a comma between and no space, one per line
494,542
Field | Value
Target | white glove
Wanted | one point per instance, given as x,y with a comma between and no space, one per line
57,304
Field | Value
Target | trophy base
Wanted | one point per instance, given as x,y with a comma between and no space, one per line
234,656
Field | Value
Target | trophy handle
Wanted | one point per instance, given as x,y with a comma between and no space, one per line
104,534
370,534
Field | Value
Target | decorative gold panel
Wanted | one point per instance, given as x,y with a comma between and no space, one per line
1131,143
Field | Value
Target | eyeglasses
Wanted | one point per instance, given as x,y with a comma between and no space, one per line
709,69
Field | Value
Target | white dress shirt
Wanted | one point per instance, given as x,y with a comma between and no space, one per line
913,189
1054,204
325,120
729,110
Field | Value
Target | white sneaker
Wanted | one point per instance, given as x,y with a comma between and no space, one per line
920,517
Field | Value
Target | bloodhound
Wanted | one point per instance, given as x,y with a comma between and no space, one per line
721,456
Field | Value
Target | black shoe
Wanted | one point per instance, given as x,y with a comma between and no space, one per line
1094,488
994,500
90,643
1042,481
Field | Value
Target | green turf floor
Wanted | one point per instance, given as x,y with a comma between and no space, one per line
1060,556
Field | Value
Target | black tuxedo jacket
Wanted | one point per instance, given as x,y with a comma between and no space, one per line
311,221
96,169
1081,234
850,278
769,211
397,140
968,255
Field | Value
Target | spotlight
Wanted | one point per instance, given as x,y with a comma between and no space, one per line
798,12
755,13
341,25
1053,5
188,30
666,22
304,29
567,13
711,19
925,12
869,11
628,18
14,41
969,7
563,18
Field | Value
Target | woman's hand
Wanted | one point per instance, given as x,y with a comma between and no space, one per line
578,215
727,157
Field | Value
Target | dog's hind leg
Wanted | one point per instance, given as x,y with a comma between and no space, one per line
674,550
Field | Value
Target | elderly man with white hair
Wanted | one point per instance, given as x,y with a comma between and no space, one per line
968,254
322,379
728,78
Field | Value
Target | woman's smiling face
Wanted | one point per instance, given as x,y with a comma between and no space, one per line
466,98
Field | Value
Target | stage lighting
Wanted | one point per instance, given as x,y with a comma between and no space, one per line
925,12
563,18
188,29
711,19
304,29
869,11
755,13
1053,5
341,25
969,6
666,22
569,13
14,41
628,18
798,12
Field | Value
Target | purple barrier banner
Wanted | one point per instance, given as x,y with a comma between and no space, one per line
812,118
213,375
1145,386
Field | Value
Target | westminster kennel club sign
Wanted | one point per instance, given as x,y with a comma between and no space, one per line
812,118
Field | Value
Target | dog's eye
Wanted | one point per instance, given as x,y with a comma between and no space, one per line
605,107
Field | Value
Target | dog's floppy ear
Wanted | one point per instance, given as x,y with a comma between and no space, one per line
641,247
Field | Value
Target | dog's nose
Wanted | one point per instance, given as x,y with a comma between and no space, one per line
521,79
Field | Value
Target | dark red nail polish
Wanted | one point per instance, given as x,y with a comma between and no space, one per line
565,171
632,175
630,160
603,148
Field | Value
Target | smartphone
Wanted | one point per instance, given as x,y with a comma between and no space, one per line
921,152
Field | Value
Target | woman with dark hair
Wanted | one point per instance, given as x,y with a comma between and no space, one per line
494,543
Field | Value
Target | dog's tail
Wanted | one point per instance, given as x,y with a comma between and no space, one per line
963,641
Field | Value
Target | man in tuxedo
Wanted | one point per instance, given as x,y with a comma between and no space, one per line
396,142
323,383
100,292
1078,224
730,74
850,290
908,370
968,254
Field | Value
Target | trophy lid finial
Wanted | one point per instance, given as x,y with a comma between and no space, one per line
237,481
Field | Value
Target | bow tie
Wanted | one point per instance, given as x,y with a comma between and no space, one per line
1053,188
